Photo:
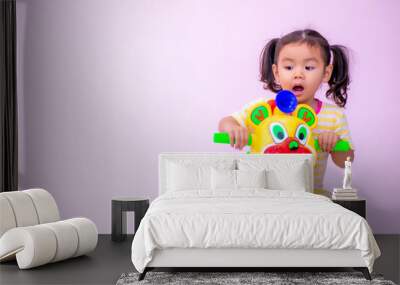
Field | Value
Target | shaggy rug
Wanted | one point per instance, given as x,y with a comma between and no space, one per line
270,278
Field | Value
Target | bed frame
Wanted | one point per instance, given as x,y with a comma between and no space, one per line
249,258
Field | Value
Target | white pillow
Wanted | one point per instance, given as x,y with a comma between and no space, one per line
251,178
187,177
193,174
281,174
293,179
237,179
223,179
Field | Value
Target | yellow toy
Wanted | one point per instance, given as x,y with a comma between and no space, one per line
282,126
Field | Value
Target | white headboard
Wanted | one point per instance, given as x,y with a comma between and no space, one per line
164,158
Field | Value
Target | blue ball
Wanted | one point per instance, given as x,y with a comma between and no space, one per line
286,101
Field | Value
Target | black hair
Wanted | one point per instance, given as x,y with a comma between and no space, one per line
339,80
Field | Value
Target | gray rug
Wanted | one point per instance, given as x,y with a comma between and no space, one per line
270,278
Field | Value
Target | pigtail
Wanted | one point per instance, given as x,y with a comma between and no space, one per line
266,61
340,76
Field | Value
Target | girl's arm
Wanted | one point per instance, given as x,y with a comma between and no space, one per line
226,124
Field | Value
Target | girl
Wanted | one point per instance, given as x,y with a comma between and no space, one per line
301,62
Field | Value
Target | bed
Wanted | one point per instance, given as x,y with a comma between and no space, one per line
247,210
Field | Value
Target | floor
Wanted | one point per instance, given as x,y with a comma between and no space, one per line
111,259
102,266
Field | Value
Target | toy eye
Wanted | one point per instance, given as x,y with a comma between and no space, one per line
302,133
278,132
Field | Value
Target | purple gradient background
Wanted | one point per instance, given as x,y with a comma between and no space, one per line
105,86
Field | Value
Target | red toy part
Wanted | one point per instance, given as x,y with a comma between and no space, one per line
272,103
290,145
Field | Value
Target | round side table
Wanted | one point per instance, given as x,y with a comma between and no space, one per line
121,205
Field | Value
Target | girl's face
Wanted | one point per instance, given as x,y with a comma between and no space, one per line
300,69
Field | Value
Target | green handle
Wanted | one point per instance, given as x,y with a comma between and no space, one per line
341,145
224,138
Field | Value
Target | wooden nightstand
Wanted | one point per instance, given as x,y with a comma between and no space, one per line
357,206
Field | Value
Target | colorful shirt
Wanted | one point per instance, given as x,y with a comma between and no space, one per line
330,118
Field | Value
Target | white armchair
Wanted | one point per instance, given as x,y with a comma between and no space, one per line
31,230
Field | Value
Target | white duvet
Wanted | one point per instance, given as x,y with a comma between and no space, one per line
251,218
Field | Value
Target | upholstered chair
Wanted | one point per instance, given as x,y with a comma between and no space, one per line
31,231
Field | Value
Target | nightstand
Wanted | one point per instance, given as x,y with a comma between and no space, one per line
120,206
358,206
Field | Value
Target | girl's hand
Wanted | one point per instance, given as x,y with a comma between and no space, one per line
327,140
238,136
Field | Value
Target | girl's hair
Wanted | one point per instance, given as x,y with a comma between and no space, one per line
340,74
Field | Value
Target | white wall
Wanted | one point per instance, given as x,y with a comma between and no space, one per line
105,86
